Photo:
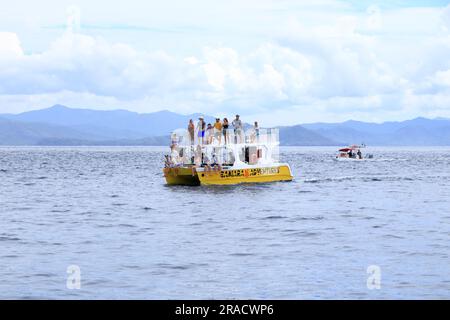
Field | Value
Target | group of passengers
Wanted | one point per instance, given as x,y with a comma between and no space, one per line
357,155
207,133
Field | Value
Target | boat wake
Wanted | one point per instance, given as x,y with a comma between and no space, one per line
373,178
368,160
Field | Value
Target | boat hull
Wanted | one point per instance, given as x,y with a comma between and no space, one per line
246,175
181,176
350,159
231,176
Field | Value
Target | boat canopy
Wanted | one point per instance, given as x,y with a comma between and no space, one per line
350,148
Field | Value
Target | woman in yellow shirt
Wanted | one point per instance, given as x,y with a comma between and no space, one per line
218,130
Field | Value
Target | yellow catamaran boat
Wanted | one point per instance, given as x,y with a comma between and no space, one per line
230,157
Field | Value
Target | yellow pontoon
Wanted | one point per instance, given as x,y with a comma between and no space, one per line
250,156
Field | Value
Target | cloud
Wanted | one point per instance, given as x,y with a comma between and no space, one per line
10,47
81,63
443,78
84,64
268,74
344,62
356,65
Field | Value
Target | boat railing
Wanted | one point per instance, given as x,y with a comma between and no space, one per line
263,136
227,147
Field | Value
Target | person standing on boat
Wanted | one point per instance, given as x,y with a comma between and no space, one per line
225,126
209,134
191,130
218,130
174,140
174,154
237,125
256,131
201,126
198,156
359,154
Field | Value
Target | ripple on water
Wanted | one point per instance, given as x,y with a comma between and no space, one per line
303,218
273,217
60,210
9,238
241,254
177,266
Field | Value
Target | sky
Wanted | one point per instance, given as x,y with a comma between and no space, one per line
281,62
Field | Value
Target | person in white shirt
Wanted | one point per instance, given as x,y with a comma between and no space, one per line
174,155
237,125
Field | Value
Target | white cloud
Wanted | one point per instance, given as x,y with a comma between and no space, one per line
371,65
443,78
81,63
10,47
84,64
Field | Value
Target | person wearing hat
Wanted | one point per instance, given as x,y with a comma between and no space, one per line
218,130
201,126
191,130
237,125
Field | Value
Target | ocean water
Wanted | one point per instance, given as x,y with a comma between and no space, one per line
109,212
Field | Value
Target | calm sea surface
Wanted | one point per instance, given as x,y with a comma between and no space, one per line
108,211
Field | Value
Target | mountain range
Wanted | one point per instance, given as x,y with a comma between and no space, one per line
60,125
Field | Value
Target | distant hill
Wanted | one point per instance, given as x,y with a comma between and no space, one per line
60,125
23,133
299,136
150,141
415,132
115,124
